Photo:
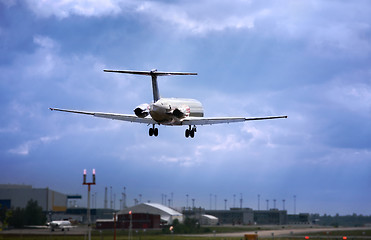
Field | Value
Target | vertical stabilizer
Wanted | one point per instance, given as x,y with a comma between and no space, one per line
156,91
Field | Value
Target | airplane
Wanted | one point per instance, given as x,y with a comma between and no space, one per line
166,111
63,225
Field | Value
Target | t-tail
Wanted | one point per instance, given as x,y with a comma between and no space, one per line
153,73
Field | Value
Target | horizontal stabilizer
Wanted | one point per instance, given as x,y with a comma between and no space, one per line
153,73
150,73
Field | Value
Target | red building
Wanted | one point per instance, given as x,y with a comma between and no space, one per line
138,221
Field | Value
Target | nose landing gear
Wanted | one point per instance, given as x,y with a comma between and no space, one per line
190,132
153,131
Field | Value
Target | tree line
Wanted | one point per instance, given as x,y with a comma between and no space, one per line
20,217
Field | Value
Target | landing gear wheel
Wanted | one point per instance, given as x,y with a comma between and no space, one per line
153,131
192,133
187,133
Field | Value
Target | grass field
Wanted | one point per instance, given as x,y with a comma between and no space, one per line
157,235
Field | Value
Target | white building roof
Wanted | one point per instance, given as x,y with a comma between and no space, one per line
163,208
167,214
153,208
210,216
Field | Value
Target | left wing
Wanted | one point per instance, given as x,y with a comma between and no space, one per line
115,116
218,120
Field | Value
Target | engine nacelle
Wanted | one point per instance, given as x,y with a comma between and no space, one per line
181,112
142,110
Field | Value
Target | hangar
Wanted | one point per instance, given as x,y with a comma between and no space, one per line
167,214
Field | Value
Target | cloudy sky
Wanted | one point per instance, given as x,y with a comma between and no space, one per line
310,60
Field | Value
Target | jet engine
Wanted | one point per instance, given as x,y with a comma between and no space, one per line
181,112
142,110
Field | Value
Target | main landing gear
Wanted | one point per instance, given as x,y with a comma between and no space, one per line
190,132
153,131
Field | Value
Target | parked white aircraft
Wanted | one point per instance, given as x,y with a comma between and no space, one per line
167,111
63,225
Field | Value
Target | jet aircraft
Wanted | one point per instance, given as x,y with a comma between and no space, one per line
63,225
167,111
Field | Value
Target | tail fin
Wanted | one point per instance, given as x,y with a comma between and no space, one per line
153,73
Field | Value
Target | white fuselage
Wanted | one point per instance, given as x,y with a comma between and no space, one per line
60,224
170,111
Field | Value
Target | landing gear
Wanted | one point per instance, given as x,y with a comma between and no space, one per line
153,131
190,132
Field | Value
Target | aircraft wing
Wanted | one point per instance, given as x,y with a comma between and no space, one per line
219,120
115,116
67,227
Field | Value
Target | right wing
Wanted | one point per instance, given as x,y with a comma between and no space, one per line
115,116
219,120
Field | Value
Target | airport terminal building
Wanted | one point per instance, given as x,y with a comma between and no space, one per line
14,196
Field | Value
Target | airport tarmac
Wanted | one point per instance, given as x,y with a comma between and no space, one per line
44,231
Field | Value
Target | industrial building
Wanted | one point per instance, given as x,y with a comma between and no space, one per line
232,216
247,216
80,214
301,218
52,202
273,216
13,196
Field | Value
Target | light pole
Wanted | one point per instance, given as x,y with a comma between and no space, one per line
215,201
88,210
294,204
241,200
234,200
258,202
124,198
172,199
130,237
211,200
187,201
